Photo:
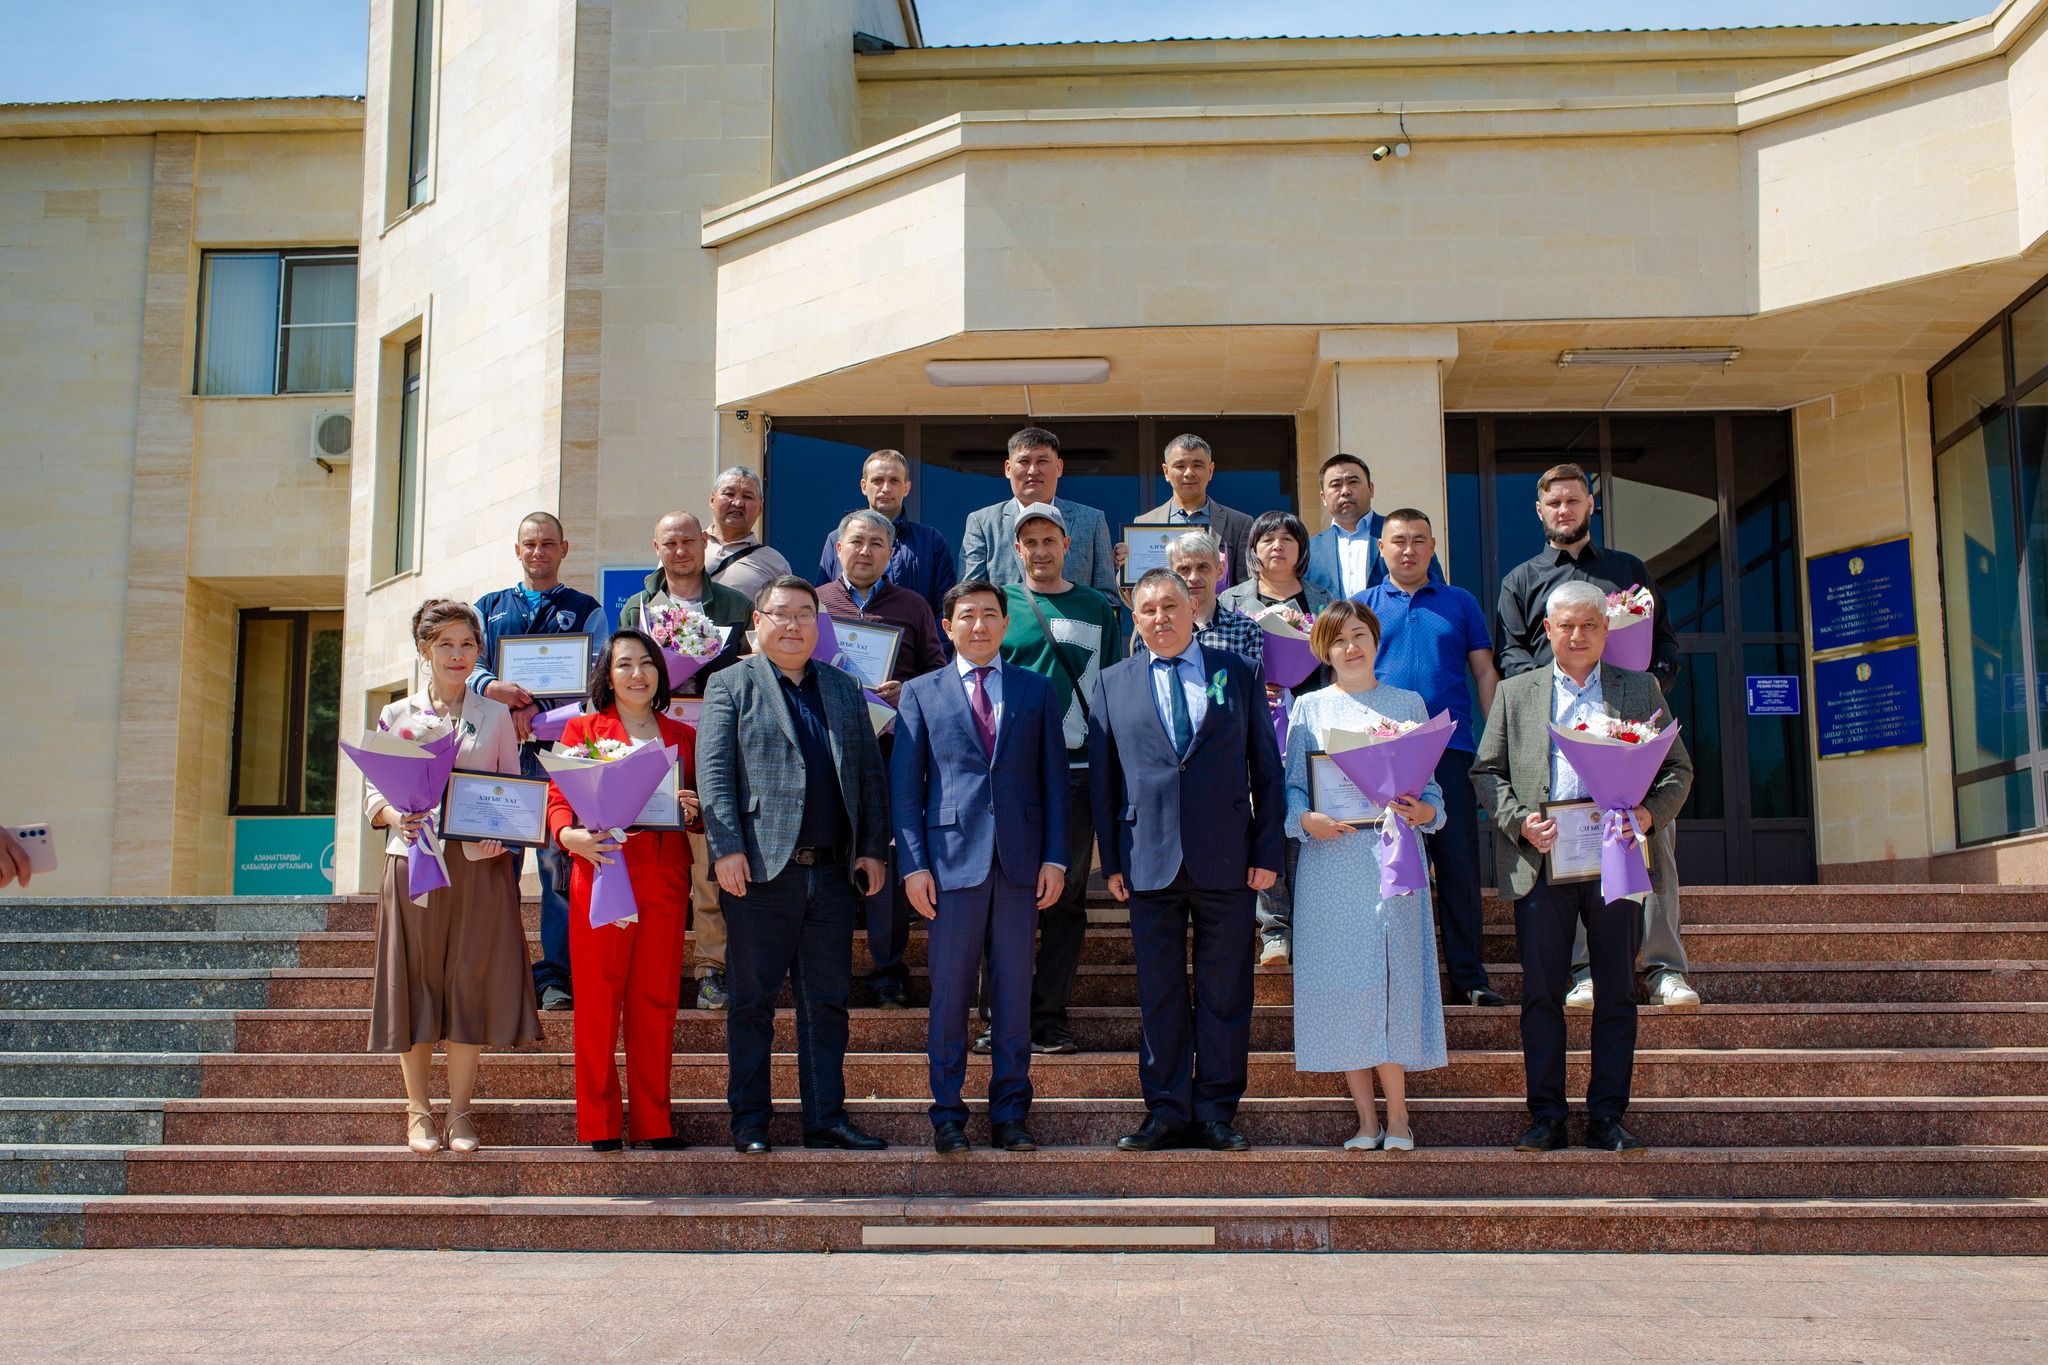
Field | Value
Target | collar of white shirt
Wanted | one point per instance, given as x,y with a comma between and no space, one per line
966,666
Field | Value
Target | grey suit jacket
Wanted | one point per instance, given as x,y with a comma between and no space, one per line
750,772
1227,524
988,548
1511,773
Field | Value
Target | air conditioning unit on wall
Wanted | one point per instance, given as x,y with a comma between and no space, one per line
333,437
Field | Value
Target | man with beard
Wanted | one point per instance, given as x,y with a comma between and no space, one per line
1564,504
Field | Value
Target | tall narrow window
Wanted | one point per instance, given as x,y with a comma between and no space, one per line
287,713
406,502
277,322
420,125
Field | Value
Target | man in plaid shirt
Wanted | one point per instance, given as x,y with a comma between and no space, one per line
1197,558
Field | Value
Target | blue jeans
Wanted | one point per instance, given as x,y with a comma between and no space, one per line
553,967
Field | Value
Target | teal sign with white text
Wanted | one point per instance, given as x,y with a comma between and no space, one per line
284,855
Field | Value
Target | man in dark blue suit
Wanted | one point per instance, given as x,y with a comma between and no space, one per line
1190,807
978,792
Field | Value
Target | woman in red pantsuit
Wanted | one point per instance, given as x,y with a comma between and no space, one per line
628,972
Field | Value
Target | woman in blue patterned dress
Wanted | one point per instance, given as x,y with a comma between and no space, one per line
1366,999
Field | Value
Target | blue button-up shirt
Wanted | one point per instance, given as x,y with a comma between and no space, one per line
1425,639
1570,704
1187,671
921,561
824,823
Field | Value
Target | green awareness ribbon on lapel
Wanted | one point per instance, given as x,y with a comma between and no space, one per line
1215,688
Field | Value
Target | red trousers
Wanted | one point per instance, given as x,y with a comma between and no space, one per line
630,974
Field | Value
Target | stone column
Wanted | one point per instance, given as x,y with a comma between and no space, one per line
1378,394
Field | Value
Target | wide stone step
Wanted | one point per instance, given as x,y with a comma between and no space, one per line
1719,1121
752,1223
1088,1172
183,914
1726,983
151,988
539,1075
1096,1028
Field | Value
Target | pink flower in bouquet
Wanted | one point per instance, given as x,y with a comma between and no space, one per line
1614,731
1625,606
687,638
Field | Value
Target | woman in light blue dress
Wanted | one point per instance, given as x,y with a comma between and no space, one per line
1366,999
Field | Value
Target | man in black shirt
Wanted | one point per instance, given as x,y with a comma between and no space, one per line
1564,504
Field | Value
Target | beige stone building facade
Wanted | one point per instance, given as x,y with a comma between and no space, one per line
1777,288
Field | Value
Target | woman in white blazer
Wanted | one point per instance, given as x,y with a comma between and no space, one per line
454,970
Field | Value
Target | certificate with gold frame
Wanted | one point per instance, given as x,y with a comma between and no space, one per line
546,665
663,809
479,806
1333,794
1575,857
1147,544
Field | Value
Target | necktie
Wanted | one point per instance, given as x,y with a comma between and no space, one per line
1183,728
984,711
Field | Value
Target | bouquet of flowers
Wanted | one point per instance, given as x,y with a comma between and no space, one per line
1289,661
409,765
549,724
1630,615
1388,760
687,638
1617,760
608,782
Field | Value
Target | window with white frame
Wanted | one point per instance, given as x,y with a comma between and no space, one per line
277,322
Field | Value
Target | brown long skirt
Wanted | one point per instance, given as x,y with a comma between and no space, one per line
455,968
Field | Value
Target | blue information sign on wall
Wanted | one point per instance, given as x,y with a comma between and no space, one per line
615,586
1868,701
1861,596
1774,694
284,855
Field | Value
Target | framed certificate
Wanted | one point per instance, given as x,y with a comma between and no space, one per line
1148,548
867,649
1337,796
688,710
546,665
1575,857
663,810
512,810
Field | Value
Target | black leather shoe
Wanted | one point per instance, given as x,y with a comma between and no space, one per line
1607,1135
1154,1135
891,995
671,1143
1011,1137
1544,1135
1219,1136
607,1145
844,1136
1486,997
948,1138
750,1144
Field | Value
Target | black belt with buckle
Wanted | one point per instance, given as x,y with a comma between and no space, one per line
817,857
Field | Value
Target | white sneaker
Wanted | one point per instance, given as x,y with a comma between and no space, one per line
1580,997
1672,990
1275,953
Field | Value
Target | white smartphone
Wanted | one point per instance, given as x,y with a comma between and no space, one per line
35,840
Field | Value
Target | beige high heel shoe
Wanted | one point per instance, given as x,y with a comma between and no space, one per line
420,1132
461,1133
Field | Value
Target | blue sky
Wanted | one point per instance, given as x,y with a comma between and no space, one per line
112,49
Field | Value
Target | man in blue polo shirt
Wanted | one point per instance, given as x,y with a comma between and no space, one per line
921,558
1431,636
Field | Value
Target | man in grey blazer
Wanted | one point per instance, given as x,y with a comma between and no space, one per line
1517,770
1033,467
796,811
1189,465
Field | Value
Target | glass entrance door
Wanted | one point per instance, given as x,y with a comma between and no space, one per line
1705,500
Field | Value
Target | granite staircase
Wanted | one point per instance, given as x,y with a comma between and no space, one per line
1871,1074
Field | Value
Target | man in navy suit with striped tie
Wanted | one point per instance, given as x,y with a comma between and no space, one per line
978,796
1190,809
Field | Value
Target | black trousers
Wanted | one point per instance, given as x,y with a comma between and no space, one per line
1063,928
1546,921
797,926
1453,853
1193,1064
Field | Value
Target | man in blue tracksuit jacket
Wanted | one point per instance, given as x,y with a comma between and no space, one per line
539,604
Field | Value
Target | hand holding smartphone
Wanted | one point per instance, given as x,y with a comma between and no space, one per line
25,850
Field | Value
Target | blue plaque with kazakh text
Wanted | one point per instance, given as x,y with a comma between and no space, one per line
1868,701
1862,596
